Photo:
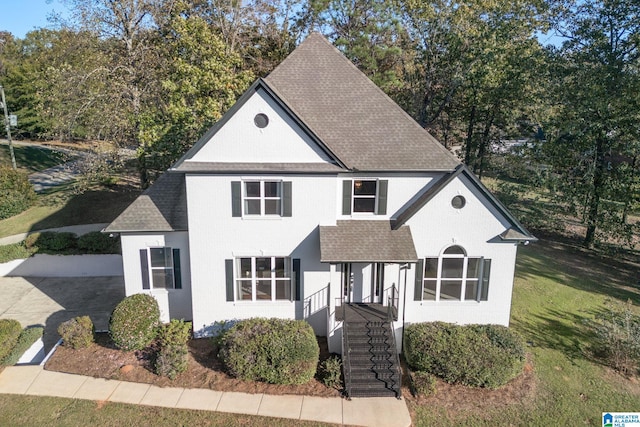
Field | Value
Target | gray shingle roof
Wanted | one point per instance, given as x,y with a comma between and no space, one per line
366,241
162,207
351,115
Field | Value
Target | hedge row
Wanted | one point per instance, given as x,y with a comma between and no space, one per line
26,339
475,355
277,351
94,242
10,330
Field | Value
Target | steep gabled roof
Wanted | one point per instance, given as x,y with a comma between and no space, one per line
515,233
182,163
357,121
162,207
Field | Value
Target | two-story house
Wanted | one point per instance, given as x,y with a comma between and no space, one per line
313,194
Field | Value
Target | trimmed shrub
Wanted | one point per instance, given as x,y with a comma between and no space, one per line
277,351
56,242
26,339
177,332
16,193
474,355
134,322
31,240
422,383
331,372
172,360
617,338
96,242
77,332
172,357
10,330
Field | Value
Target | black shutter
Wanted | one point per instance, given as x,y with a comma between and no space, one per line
417,291
236,198
346,197
484,280
286,198
144,267
382,197
296,277
177,271
228,269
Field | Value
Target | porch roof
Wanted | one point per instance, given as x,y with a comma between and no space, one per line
366,241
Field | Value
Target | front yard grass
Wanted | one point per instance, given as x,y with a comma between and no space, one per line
32,158
28,411
556,288
64,206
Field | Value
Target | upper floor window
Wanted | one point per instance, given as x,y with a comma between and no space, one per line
257,198
364,196
453,276
262,197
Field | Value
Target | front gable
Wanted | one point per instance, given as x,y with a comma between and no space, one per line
258,129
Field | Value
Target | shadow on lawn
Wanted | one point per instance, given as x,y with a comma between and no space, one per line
581,270
562,331
91,207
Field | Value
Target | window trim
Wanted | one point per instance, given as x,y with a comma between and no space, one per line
349,197
290,276
263,198
148,269
481,279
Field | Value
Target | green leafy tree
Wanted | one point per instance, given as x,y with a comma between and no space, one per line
203,79
593,139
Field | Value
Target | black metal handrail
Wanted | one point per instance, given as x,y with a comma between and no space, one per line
346,360
390,307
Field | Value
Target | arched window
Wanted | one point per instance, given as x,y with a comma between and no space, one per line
453,276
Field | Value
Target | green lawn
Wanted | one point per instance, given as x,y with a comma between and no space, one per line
65,207
556,288
31,158
31,411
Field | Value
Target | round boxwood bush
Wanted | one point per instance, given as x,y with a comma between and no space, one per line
134,322
277,351
16,192
77,332
475,355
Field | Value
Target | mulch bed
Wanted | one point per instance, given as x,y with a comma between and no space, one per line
103,360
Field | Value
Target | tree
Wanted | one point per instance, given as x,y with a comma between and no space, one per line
203,79
593,144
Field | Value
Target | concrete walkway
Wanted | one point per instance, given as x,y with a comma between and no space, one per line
375,411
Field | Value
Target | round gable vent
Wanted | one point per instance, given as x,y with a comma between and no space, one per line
458,202
261,120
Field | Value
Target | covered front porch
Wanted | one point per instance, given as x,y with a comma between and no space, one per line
368,273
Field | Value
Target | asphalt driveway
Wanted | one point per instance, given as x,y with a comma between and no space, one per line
49,301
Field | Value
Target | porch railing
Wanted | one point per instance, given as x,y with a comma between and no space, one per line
346,360
391,316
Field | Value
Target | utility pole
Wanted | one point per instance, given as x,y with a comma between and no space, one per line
7,126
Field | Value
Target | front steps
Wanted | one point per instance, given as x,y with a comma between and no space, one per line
371,365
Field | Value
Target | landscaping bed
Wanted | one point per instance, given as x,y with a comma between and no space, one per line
103,360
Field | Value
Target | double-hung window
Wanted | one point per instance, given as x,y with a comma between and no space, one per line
362,196
453,276
261,198
160,268
263,278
